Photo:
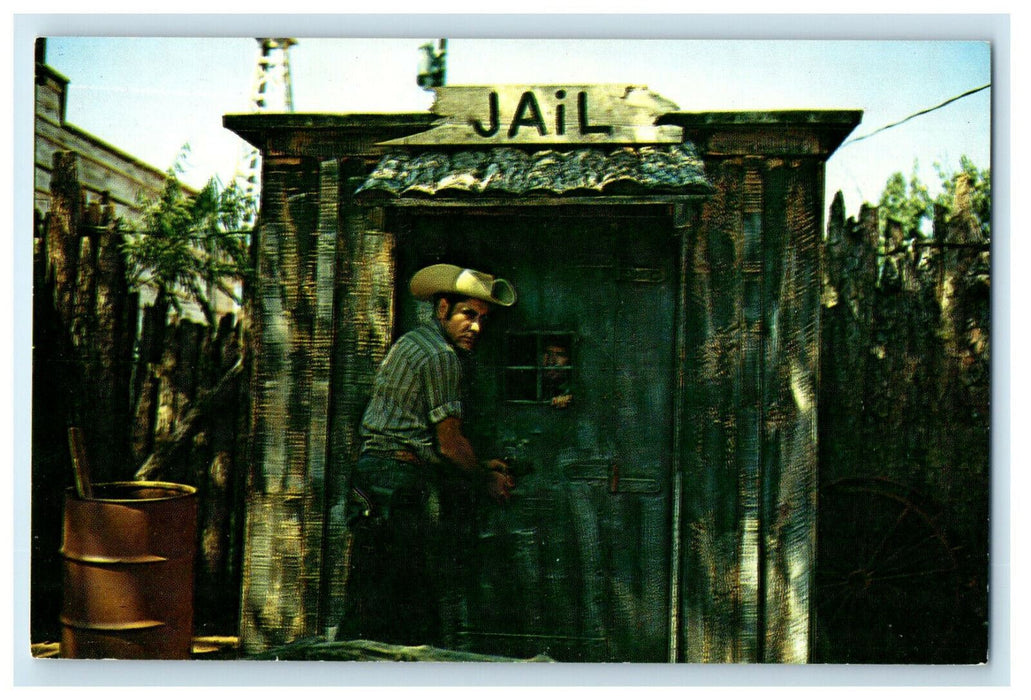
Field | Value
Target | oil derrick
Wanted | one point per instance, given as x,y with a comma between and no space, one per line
271,92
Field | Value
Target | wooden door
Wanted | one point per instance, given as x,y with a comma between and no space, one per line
577,565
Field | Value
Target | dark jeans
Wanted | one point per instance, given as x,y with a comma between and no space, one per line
393,590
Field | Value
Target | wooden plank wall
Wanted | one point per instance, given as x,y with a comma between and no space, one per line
322,324
713,526
291,334
749,438
793,197
102,168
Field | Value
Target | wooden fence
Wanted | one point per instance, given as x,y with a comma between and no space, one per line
157,398
904,440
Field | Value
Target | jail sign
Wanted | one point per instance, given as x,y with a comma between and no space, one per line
549,114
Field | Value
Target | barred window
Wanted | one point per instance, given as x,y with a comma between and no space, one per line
539,366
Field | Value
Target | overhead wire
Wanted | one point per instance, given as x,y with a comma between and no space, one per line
916,114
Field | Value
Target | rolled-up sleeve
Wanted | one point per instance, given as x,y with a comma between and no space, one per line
442,381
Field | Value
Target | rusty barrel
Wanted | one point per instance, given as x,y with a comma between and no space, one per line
128,558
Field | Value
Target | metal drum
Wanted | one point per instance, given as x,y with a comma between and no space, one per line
128,571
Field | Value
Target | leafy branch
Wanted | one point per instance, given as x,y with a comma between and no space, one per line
189,246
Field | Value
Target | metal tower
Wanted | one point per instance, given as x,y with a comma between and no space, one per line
432,65
271,92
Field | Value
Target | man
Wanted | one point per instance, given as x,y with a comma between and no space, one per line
555,359
414,451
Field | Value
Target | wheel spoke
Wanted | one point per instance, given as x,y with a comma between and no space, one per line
915,546
887,536
914,574
846,599
834,584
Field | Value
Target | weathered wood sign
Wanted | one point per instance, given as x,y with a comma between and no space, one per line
548,114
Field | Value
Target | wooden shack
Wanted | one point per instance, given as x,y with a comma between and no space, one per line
670,513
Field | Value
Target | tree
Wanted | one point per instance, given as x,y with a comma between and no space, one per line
186,247
910,203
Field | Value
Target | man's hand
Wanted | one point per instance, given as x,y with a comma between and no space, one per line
499,482
562,401
499,465
455,448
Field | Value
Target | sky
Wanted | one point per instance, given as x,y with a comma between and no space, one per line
151,96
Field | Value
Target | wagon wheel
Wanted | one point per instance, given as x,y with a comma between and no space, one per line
887,585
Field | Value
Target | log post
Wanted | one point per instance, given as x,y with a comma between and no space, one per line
290,337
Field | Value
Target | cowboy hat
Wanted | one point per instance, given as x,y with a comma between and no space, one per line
451,279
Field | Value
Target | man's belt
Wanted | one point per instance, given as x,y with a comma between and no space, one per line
406,456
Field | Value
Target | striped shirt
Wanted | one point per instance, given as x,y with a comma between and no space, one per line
418,385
